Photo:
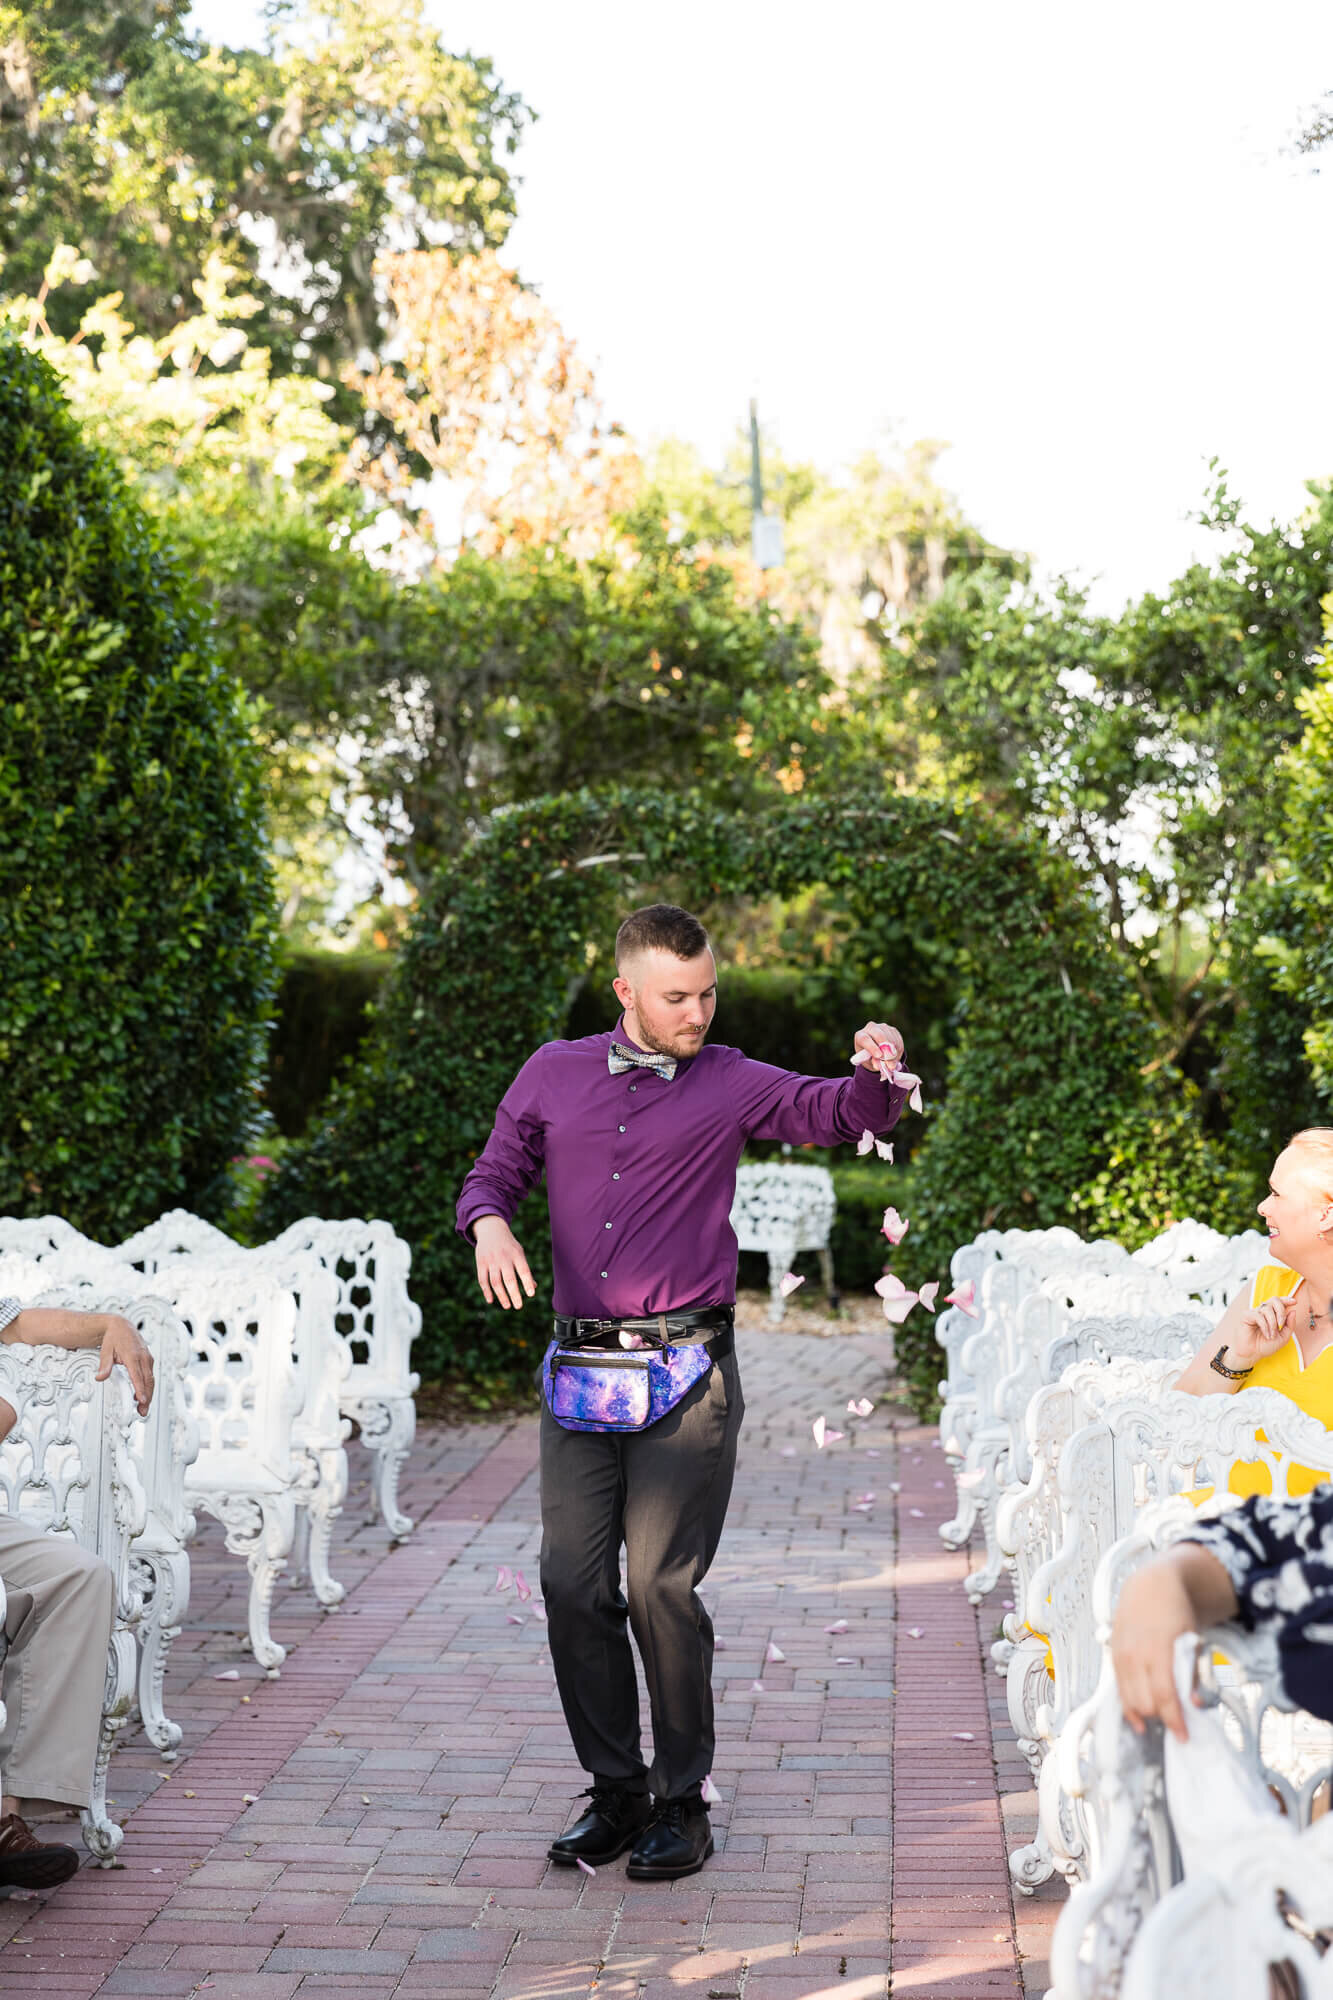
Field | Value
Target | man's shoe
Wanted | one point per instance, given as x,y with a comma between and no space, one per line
28,1863
677,1841
613,1822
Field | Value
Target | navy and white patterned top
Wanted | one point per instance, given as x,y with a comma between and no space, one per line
1279,1556
9,1311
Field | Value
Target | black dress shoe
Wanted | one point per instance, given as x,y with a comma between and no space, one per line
676,1841
613,1822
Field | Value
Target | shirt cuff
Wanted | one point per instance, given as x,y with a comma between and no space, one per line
9,1312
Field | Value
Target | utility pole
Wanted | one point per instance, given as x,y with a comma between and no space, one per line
765,529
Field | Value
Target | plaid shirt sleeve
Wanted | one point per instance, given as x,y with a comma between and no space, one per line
9,1311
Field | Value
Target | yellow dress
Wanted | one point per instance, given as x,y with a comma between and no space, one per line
1308,1384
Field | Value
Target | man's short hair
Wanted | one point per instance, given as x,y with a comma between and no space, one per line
660,927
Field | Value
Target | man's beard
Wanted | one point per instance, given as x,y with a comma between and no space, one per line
660,1047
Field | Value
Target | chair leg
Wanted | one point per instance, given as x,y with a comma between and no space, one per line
166,1577
324,1507
101,1834
388,1426
262,1531
831,1292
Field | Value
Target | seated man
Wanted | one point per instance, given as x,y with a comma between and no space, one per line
59,1607
1267,1563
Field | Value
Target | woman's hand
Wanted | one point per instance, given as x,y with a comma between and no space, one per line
1180,1592
1264,1330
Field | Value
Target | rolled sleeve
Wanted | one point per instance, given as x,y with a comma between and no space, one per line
1278,1554
9,1312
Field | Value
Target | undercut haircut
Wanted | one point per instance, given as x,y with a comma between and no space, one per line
660,927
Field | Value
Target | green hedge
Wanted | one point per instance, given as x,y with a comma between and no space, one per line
136,912
321,1016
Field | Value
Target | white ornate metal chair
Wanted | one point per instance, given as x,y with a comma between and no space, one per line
373,1316
782,1210
68,1467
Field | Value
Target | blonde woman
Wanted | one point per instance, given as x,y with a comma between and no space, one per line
1279,1335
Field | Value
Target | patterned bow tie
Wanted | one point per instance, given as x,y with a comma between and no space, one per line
619,1059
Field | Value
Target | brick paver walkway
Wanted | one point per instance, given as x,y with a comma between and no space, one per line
374,1822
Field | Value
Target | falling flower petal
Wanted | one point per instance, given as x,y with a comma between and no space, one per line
790,1284
631,1340
894,1226
915,1632
587,1867
884,1147
865,1496
895,1486
963,1736
514,1619
965,1298
838,1625
861,1406
539,1610
865,1142
916,1513
844,1660
834,1437
1006,1604
522,1586
927,1294
818,1427
861,1056
773,1655
897,1309
230,1675
719,1645
504,1578
756,1687
862,1506
709,1792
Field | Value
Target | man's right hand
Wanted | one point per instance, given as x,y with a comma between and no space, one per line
502,1269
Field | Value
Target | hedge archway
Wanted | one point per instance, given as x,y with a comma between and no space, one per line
1047,1056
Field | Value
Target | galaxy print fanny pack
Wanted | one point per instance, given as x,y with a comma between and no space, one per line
597,1389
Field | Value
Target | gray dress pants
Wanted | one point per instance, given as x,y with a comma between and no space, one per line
61,1601
662,1495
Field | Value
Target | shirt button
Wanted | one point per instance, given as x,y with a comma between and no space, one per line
634,1086
608,1225
604,1274
620,1128
615,1177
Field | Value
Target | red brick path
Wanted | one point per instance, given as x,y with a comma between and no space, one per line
409,1767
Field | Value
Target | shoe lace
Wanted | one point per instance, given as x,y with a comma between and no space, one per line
610,1799
672,1813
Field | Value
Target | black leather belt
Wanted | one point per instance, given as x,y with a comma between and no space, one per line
713,1324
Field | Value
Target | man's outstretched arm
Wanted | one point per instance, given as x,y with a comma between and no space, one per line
823,1111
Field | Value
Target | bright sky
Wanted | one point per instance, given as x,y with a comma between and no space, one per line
1067,240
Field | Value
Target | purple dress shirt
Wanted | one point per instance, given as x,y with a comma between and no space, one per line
641,1172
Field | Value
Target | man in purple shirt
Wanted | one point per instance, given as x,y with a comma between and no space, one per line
639,1133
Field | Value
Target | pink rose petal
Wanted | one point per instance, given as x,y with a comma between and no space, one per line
790,1284
773,1655
522,1586
865,1496
539,1610
884,1147
756,1687
514,1618
630,1340
861,1056
709,1792
969,1479
230,1675
927,1294
894,1226
862,1506
865,1142
585,1866
819,1427
895,1486
719,1645
916,1513
860,1406
896,1310
844,1660
965,1298
963,1736
504,1578
915,1632
838,1625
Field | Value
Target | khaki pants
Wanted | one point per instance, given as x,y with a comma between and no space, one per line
60,1603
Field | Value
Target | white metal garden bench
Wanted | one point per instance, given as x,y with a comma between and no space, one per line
782,1210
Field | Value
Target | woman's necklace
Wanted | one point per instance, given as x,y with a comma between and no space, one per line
1313,1315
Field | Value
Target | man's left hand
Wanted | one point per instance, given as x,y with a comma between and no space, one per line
121,1343
882,1044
